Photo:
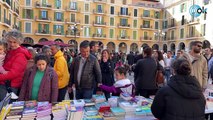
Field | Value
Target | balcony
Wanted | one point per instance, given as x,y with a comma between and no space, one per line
71,9
100,12
172,26
7,22
100,1
193,22
192,36
59,20
69,33
147,16
146,27
68,21
45,6
123,37
46,19
142,38
6,3
99,24
15,27
99,36
43,32
171,38
124,15
17,11
124,25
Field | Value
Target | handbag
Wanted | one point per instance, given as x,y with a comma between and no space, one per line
159,77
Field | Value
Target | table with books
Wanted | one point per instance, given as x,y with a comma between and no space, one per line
97,108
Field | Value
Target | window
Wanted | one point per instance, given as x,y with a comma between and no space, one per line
165,14
157,14
123,21
73,5
111,33
99,8
86,7
146,24
99,19
73,18
28,27
28,2
124,11
27,13
58,16
165,24
145,35
156,24
112,1
191,31
172,22
135,12
204,16
135,23
86,31
86,19
124,2
123,33
44,15
112,21
146,13
43,28
182,20
112,8
181,33
135,35
58,29
172,35
99,31
183,7
44,2
58,4
203,29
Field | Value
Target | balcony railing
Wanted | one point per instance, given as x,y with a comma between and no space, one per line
17,11
99,35
127,15
99,23
7,3
100,1
70,33
146,27
145,38
124,25
15,27
191,22
38,5
147,16
68,21
48,19
123,37
73,9
99,11
7,21
43,32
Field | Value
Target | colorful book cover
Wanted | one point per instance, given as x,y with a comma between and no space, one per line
44,107
98,117
89,102
19,104
116,110
90,108
15,113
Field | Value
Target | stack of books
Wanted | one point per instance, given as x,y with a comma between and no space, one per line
78,103
129,107
59,112
143,110
104,106
44,110
15,111
89,102
30,110
118,112
98,98
75,113
126,96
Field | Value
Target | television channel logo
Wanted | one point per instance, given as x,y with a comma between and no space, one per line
196,10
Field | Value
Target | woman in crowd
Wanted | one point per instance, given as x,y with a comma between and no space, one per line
40,82
107,68
159,57
15,63
182,98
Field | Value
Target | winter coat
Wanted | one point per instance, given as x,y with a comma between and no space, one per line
91,73
130,58
181,99
199,69
15,63
145,72
107,71
48,90
61,68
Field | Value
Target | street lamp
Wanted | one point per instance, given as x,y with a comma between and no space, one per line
159,34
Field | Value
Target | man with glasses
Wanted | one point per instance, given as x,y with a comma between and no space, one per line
198,63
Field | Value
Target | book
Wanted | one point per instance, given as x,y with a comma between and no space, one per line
79,102
18,105
97,117
126,96
17,113
117,111
90,109
98,98
89,102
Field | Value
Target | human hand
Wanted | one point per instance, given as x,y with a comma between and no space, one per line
105,59
73,85
99,84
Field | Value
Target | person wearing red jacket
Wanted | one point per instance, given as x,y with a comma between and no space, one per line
15,63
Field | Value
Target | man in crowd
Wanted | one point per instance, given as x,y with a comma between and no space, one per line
207,54
198,63
61,68
94,48
179,54
168,62
85,70
130,58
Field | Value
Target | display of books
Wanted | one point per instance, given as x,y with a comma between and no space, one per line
117,111
98,98
18,105
89,102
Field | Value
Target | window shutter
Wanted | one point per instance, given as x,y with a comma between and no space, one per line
85,32
62,16
48,28
39,28
40,14
23,15
134,35
31,13
89,32
62,30
54,16
54,29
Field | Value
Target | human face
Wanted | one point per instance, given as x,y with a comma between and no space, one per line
85,52
207,51
119,76
105,55
41,65
48,52
155,54
2,49
197,48
95,48
54,50
13,44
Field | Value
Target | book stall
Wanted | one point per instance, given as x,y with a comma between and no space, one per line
116,108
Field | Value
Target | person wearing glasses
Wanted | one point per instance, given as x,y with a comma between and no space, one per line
198,63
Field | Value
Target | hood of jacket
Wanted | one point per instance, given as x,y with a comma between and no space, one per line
21,50
186,86
58,54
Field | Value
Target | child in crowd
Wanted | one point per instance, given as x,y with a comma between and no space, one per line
2,56
122,84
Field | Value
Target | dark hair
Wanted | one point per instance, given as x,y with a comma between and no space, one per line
105,50
181,67
194,43
92,43
148,51
84,44
121,70
160,55
45,48
41,57
2,43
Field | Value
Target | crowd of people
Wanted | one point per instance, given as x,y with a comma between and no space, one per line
47,75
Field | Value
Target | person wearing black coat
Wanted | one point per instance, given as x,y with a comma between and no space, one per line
107,71
182,98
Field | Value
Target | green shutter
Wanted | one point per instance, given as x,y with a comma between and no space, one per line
20,26
111,33
134,35
39,28
31,14
62,16
54,16
55,3
54,29
23,15
48,28
47,14
85,31
39,14
102,20
62,30
90,31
